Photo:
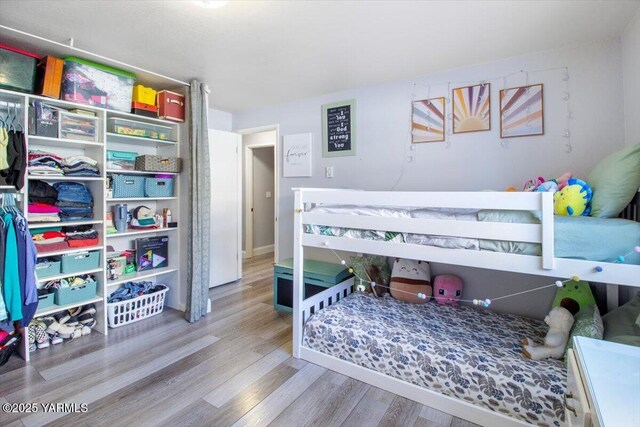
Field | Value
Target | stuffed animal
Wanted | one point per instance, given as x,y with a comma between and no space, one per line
375,274
574,296
532,184
563,180
574,199
447,289
554,185
410,278
560,321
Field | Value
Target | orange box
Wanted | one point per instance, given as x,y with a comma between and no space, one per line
49,77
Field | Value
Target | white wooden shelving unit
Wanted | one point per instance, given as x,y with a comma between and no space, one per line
102,205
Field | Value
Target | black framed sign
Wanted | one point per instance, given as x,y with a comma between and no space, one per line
338,129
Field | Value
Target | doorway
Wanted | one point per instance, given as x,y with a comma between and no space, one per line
260,192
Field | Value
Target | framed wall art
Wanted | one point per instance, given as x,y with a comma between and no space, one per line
521,111
339,129
471,108
296,153
427,120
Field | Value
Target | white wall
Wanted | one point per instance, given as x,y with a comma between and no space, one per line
220,120
254,140
472,161
631,79
263,208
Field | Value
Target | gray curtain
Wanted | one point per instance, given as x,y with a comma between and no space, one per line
200,196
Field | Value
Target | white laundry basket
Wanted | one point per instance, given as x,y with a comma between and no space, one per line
135,309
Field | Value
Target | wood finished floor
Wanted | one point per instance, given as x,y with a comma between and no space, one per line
233,368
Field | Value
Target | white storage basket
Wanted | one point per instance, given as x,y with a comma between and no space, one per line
138,308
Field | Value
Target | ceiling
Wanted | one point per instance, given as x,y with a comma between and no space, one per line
257,53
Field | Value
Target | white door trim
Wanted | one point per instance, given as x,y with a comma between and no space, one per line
276,176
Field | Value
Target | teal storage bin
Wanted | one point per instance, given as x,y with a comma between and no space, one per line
121,160
128,186
75,294
45,301
46,269
318,276
81,261
158,187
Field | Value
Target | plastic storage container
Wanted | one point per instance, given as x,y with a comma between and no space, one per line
75,294
17,68
143,130
121,160
158,187
46,269
45,301
139,308
91,83
82,261
127,186
151,163
78,127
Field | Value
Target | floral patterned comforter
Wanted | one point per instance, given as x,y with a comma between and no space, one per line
464,352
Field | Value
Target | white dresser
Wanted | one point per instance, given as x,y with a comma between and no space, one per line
603,384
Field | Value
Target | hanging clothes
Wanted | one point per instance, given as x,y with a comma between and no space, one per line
16,159
4,143
18,258
11,279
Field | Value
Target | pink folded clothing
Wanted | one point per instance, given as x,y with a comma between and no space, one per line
52,247
43,208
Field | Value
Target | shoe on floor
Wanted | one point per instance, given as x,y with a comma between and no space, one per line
56,339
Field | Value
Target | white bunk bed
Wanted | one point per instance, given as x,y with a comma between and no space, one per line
546,264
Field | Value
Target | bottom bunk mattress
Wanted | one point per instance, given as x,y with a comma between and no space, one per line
468,353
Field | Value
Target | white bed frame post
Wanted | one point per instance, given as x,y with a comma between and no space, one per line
548,249
298,272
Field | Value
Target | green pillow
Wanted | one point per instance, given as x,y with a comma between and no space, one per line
623,322
614,181
360,263
586,323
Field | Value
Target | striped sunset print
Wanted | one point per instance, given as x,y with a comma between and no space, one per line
472,108
428,120
521,112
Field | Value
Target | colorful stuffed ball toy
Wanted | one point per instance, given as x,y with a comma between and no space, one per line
447,289
574,199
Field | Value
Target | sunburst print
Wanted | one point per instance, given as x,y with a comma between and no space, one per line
428,120
472,108
521,111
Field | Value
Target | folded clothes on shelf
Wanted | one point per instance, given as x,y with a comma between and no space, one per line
42,192
47,164
74,201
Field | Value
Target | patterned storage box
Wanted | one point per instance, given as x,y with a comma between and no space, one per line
46,269
128,186
76,294
82,261
151,163
158,187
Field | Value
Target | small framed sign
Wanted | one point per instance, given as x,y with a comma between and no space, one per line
296,152
338,129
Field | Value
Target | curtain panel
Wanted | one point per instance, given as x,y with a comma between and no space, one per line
198,274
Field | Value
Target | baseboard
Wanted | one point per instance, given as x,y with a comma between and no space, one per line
244,254
262,250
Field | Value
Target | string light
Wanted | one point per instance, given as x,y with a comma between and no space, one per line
480,302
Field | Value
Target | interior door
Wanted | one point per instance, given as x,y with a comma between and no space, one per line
226,193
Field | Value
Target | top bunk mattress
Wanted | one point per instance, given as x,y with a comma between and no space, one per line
462,352
582,237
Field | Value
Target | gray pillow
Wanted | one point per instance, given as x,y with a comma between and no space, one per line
614,181
621,324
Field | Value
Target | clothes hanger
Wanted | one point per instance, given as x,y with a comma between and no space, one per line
15,117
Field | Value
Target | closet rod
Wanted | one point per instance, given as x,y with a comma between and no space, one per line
95,55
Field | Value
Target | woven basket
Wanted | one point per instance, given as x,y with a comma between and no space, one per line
158,187
151,163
